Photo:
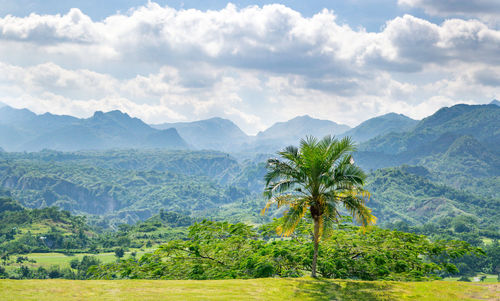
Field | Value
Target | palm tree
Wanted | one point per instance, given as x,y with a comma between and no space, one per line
320,177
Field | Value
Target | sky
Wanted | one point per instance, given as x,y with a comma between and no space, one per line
253,62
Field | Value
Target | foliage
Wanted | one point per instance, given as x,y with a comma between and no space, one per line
464,228
219,250
50,229
391,255
37,230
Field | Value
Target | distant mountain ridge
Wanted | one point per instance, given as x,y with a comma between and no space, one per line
381,125
23,130
480,121
290,132
389,134
214,133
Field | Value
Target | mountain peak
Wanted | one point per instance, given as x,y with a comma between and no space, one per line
289,132
393,115
307,118
98,114
303,117
214,133
117,113
113,113
381,125
12,115
495,102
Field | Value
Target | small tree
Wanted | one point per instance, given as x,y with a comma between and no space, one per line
319,177
119,252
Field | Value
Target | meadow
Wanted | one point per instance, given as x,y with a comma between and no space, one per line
252,289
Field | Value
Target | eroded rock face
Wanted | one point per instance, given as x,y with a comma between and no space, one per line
49,191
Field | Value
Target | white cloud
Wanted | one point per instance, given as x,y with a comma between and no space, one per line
255,65
488,10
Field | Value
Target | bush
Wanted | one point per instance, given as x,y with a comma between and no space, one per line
119,252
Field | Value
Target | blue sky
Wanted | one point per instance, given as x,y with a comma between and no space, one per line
370,14
254,62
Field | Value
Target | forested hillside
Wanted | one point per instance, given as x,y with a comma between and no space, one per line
406,194
126,186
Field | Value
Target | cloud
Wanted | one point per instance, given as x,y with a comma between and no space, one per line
254,65
272,38
488,10
488,77
410,44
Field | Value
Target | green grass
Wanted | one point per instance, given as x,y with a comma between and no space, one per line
253,289
490,278
487,241
63,260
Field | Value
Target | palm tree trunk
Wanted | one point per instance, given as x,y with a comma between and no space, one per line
316,245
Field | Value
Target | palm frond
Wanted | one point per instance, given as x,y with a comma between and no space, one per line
292,218
280,201
354,202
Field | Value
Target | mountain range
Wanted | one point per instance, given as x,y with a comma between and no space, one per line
290,132
438,133
23,130
387,140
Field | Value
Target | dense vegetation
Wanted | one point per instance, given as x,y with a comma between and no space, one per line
37,230
24,231
408,194
219,250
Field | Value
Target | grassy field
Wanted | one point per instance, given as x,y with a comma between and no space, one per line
63,260
490,278
254,289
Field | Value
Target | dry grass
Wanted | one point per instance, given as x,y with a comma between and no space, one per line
253,289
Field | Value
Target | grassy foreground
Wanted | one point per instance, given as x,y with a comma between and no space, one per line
253,289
